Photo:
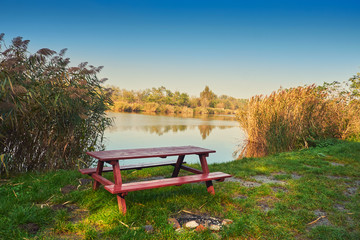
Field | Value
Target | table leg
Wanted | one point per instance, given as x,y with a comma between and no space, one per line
210,187
118,181
178,165
121,202
116,172
99,170
205,169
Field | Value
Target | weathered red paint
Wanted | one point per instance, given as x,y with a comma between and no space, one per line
148,153
121,189
177,181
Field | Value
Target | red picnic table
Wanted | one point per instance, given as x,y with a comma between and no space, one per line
121,189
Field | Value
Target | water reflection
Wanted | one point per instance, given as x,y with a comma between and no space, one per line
204,130
138,130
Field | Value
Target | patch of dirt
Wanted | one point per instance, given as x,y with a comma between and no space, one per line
268,179
67,189
337,177
293,175
78,215
357,183
321,218
309,166
242,182
240,197
84,181
265,207
296,176
340,207
266,203
345,211
67,207
251,184
336,164
67,236
279,189
351,191
234,179
31,228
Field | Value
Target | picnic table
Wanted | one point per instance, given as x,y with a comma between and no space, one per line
121,189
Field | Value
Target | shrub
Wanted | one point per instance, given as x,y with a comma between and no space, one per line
50,113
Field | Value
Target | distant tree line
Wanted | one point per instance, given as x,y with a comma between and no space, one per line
164,100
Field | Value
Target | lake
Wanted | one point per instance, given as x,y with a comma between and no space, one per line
220,133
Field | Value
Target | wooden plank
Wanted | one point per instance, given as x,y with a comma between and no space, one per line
148,152
136,186
101,179
190,169
131,166
93,170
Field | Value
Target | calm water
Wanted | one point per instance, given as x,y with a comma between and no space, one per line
220,133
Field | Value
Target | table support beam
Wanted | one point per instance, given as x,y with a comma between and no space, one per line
178,165
99,170
190,169
100,179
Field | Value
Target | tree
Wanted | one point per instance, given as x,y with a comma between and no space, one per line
207,98
355,85
50,113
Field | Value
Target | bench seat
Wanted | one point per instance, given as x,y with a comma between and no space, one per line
135,186
131,166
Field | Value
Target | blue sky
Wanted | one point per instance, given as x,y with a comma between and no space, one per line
237,48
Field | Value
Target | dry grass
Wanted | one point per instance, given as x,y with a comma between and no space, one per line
293,118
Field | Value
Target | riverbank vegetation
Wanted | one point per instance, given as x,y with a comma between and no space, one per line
296,118
50,113
307,194
162,100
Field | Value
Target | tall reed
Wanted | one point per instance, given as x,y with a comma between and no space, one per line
50,113
293,118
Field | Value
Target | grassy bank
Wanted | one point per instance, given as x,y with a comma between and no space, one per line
275,197
152,107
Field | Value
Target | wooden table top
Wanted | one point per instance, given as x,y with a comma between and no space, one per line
148,152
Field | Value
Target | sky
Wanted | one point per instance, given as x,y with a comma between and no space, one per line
237,48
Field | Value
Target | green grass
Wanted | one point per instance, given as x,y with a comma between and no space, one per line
313,185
